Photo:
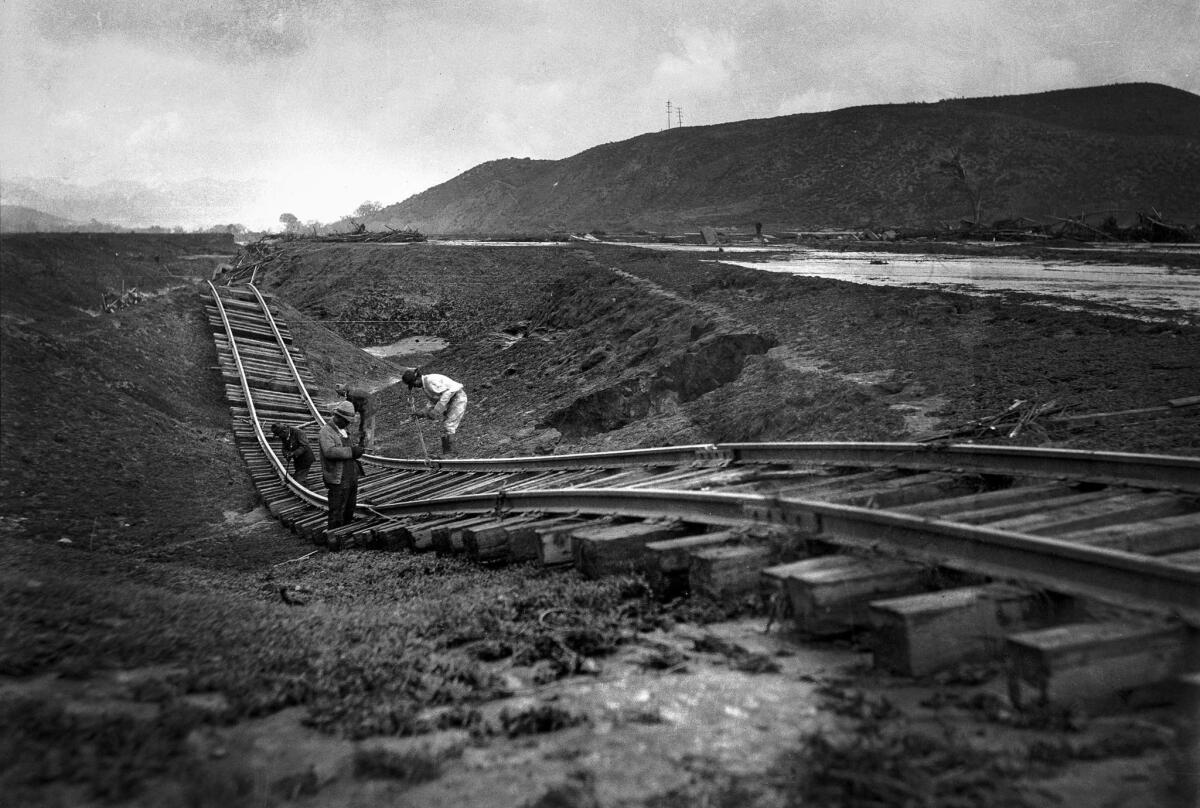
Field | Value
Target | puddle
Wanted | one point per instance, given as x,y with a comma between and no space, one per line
408,345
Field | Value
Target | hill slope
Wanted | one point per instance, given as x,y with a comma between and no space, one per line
1131,146
20,219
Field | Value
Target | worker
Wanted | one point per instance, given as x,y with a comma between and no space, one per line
447,402
296,450
339,466
364,407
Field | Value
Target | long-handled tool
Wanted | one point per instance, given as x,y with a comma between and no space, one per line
420,432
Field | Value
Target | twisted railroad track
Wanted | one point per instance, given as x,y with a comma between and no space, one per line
1081,569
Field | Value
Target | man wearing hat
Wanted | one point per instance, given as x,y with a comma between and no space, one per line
295,449
339,465
447,401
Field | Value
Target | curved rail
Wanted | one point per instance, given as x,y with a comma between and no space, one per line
908,500
308,496
269,319
1156,471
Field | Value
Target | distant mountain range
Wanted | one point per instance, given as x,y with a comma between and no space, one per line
20,219
1044,155
1123,147
67,206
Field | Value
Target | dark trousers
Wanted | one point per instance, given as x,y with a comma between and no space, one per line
341,505
300,473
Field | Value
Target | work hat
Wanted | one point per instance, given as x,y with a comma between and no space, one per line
277,429
344,409
411,376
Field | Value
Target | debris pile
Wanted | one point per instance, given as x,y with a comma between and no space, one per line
1018,417
253,257
110,302
361,233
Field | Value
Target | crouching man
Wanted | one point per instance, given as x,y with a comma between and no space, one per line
339,466
447,402
364,405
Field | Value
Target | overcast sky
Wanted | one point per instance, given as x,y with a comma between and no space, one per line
319,105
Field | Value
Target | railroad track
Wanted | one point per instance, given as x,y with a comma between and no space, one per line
1081,569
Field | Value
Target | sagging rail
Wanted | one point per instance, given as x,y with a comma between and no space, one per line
965,538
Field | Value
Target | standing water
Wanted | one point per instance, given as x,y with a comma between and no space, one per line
1130,290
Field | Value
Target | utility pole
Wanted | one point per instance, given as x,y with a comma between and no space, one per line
668,113
679,115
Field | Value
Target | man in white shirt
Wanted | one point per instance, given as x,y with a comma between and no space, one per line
447,402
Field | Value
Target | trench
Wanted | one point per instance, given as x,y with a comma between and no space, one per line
708,364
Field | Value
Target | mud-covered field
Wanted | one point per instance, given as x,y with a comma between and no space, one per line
166,643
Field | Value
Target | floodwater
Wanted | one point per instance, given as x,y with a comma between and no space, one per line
1140,291
408,345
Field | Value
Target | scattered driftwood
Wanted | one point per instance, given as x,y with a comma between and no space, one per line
1017,418
110,303
1022,414
1080,421
361,234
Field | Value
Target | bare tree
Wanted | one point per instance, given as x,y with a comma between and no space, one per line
367,208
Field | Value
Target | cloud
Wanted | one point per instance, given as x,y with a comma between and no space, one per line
241,30
320,104
704,61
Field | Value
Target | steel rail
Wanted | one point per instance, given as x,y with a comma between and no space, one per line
488,485
1181,473
1156,471
1060,565
311,497
287,354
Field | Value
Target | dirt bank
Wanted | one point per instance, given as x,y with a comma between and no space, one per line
606,347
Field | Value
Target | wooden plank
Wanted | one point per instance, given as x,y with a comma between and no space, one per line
667,562
525,541
1093,663
728,572
830,594
1013,510
1168,534
556,544
904,490
422,532
831,486
919,634
393,536
943,508
490,543
1121,507
612,549
448,539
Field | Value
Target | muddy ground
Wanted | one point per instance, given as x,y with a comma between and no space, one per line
163,644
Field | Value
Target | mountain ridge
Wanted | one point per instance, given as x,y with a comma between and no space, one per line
1058,153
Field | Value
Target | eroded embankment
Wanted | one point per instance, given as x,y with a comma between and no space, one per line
634,351
562,350
640,351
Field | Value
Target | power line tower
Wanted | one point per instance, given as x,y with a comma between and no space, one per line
668,114
679,116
